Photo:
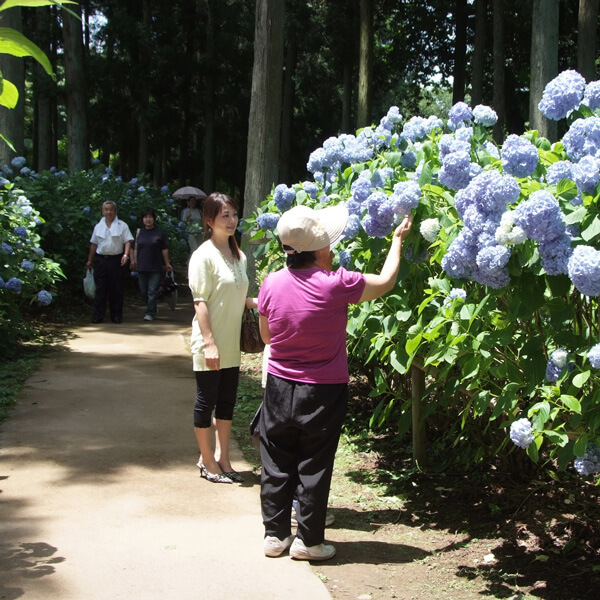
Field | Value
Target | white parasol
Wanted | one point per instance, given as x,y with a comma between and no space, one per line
187,191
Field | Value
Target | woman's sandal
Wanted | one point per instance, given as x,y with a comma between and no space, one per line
234,476
214,477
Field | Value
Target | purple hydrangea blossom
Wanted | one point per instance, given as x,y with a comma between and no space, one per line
464,134
408,160
6,248
586,174
406,196
13,284
352,226
284,197
454,294
583,138
44,297
458,114
563,169
380,177
449,144
18,162
268,221
540,216
519,156
21,232
39,251
562,95
584,270
27,265
594,356
415,129
164,189
555,254
591,97
361,188
455,171
589,463
484,115
345,257
379,221
311,188
521,433
491,149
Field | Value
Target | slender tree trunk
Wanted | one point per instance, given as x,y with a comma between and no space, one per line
145,57
75,93
365,63
499,76
586,39
209,102
262,162
460,51
479,52
13,69
287,110
544,62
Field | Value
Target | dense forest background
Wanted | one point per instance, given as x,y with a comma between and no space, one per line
165,89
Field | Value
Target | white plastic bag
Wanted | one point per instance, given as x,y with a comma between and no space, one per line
89,285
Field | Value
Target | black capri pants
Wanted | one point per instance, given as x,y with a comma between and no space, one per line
215,390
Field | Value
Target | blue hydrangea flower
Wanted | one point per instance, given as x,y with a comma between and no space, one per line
458,114
521,433
464,134
164,189
484,115
2,284
44,297
6,248
563,169
406,196
583,138
268,221
454,294
491,149
141,188
18,162
562,95
540,216
13,284
519,156
380,176
584,270
352,226
311,188
408,160
448,144
591,97
86,210
589,463
133,181
415,129
586,174
594,356
170,201
455,171
21,232
284,197
39,251
555,254
7,170
429,229
345,257
27,265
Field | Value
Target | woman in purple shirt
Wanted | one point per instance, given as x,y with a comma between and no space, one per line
303,316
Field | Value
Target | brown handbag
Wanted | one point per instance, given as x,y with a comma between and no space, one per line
250,340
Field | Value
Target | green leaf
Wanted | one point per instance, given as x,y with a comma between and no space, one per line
412,344
33,3
10,95
592,230
557,437
580,379
571,403
580,445
395,362
15,43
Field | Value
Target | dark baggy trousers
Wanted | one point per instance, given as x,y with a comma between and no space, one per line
109,277
300,426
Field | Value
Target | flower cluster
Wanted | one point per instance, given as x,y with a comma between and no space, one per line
584,270
562,95
594,356
268,221
589,463
44,297
519,156
284,197
429,229
454,293
556,363
521,433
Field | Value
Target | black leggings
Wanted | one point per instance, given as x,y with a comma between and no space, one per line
215,390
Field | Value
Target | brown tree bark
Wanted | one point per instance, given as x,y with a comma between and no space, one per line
75,93
209,103
287,111
262,162
544,62
460,51
499,100
365,64
587,38
477,64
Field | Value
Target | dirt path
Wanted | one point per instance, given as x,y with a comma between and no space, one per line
99,494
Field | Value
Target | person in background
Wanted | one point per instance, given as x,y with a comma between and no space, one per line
303,316
149,251
109,252
192,217
219,284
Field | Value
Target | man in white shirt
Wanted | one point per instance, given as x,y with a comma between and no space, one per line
109,252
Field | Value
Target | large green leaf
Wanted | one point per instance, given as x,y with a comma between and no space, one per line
15,43
33,3
9,95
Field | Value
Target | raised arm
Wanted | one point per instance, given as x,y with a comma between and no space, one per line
378,285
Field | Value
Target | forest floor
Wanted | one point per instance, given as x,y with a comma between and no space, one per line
410,535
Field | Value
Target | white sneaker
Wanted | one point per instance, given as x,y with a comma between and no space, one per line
148,318
275,547
319,552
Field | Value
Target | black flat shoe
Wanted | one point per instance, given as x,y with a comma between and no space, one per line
97,320
117,320
234,476
213,477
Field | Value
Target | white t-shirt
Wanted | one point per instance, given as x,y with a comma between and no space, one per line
111,240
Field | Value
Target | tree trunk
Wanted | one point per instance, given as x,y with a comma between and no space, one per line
365,64
145,58
264,124
75,93
287,111
44,93
209,102
12,121
586,40
479,52
544,62
460,51
499,78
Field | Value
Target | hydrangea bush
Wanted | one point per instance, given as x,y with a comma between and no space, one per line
498,294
